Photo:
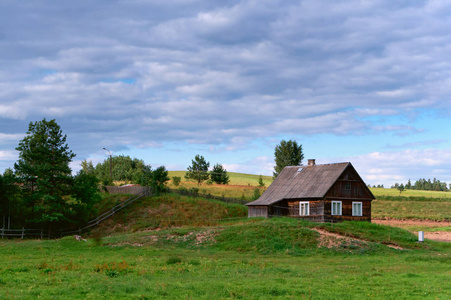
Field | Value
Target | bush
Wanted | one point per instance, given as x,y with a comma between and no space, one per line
256,194
176,180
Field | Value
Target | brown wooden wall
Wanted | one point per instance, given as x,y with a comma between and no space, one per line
358,189
257,211
320,210
346,212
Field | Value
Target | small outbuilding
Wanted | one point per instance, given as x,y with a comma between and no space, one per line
322,193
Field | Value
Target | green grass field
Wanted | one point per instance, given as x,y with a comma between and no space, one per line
235,178
377,192
245,259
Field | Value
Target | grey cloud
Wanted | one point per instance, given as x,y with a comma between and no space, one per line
131,73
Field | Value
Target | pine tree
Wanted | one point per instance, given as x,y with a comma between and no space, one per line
219,175
287,153
198,169
43,169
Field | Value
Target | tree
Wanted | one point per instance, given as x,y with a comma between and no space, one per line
260,181
85,192
198,169
88,167
176,180
124,168
256,194
287,153
219,175
401,188
9,197
155,178
43,169
159,179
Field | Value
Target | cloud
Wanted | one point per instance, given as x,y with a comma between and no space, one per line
136,74
399,166
262,165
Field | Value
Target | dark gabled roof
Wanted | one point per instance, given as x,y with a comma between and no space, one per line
302,182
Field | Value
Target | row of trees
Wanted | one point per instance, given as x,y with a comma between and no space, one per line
198,171
423,184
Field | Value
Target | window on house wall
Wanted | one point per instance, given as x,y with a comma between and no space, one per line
348,186
336,208
304,208
357,209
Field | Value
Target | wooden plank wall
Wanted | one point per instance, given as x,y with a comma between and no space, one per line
257,211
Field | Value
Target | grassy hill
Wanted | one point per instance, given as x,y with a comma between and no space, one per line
179,247
240,259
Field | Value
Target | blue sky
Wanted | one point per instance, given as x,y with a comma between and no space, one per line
362,81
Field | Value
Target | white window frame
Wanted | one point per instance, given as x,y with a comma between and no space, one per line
357,212
305,204
336,213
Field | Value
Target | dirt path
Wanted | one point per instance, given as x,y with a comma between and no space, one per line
442,236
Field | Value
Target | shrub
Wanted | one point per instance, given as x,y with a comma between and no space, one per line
176,180
256,194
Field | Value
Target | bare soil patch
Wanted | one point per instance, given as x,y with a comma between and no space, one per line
333,240
442,236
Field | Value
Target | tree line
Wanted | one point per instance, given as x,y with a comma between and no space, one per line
424,185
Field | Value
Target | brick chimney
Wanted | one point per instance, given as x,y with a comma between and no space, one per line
311,162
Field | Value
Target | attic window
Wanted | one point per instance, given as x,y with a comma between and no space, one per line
348,186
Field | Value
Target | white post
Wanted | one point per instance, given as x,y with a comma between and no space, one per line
420,236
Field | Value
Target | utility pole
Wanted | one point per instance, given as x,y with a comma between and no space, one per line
111,158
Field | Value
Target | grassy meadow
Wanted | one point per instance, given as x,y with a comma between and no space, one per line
380,192
179,247
243,259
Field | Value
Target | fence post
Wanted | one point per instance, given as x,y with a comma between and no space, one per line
3,232
42,233
23,232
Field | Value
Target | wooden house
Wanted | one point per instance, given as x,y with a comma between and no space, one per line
322,193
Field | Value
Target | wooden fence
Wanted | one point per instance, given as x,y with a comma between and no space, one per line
24,232
126,189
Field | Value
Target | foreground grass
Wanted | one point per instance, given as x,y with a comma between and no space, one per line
257,259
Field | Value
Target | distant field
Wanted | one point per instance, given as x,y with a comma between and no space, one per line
241,185
421,210
409,193
235,178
